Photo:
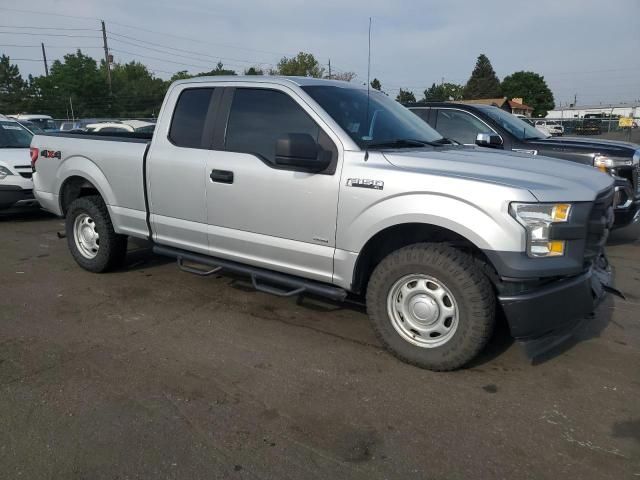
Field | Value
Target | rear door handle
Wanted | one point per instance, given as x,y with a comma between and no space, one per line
221,176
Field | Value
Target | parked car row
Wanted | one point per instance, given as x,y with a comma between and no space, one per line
16,187
40,123
492,127
325,187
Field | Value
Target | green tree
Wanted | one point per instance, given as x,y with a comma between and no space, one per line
533,90
483,82
219,70
443,92
376,85
181,75
254,71
303,65
406,96
76,80
344,76
12,87
136,92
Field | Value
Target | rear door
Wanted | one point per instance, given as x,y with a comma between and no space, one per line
176,169
262,213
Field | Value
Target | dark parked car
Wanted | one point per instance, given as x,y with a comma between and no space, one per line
492,127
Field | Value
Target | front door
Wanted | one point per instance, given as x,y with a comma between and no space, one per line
266,214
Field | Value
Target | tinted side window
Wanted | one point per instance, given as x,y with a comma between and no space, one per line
187,124
259,116
423,113
459,126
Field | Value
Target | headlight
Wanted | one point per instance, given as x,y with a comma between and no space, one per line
603,162
4,171
636,157
537,219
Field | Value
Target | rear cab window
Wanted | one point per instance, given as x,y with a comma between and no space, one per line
189,117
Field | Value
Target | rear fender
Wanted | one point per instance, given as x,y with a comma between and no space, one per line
80,166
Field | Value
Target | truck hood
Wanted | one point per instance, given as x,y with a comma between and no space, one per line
609,147
548,179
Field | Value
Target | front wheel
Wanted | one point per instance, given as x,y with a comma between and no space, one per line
94,244
431,306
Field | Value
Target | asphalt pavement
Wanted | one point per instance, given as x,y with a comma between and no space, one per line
153,373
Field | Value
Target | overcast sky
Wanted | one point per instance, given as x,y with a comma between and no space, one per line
583,47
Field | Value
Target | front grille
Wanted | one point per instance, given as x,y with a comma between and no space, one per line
26,174
600,221
632,175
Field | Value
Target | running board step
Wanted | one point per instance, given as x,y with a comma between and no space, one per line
279,284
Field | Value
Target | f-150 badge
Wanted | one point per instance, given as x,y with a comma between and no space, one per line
365,183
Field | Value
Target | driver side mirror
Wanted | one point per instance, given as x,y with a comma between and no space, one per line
489,140
300,150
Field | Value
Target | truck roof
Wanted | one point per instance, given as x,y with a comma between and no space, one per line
299,81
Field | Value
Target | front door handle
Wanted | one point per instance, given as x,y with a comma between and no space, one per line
221,176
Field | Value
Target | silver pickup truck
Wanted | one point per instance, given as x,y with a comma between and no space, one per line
321,187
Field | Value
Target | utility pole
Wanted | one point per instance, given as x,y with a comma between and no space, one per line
44,58
106,55
329,68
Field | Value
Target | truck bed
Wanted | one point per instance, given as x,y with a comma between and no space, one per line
113,163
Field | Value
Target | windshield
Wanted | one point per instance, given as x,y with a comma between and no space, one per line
14,135
388,120
44,123
518,128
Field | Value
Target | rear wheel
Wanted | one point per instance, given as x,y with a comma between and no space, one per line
431,306
93,243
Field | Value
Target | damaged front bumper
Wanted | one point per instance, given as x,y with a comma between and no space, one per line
543,317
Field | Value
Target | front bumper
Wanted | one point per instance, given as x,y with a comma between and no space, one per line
13,197
543,317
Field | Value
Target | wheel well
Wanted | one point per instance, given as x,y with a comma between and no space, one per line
398,236
75,187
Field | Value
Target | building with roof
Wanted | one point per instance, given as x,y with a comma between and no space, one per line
611,110
515,105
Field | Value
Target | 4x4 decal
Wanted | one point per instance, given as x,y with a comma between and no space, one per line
51,154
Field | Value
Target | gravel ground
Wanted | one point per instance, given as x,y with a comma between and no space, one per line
153,373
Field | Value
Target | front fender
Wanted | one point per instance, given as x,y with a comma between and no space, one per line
488,231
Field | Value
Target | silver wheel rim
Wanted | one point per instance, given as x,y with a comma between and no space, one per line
422,310
86,236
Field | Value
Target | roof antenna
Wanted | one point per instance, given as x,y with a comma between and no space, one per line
366,151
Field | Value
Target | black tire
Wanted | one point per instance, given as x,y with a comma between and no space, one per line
112,247
474,297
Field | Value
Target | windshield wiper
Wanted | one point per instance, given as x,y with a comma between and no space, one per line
444,141
401,143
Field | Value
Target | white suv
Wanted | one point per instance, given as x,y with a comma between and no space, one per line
16,186
550,127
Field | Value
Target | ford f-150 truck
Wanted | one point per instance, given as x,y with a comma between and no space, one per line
321,187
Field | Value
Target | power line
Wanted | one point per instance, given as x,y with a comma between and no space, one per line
252,62
32,27
50,34
48,46
48,14
160,59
